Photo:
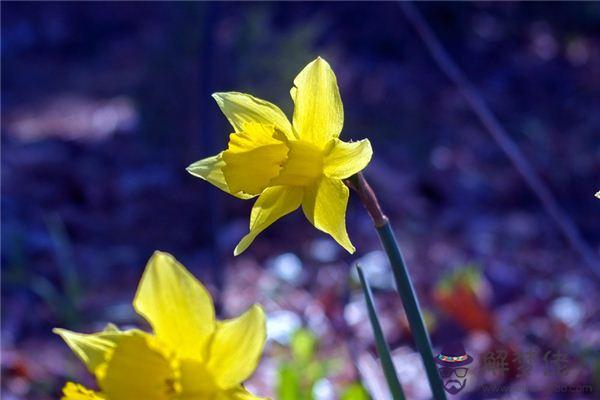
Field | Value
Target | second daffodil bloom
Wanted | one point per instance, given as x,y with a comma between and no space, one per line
189,356
288,165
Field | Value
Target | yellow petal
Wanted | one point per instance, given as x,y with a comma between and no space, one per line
211,170
236,348
195,380
318,110
346,159
138,369
74,391
94,349
324,204
272,204
240,108
177,306
253,157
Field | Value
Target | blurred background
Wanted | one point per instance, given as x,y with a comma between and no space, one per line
105,104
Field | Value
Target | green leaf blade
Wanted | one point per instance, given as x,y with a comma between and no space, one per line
382,347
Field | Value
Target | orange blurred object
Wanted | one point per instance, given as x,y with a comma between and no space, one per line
463,296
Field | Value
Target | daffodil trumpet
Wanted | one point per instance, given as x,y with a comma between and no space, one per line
403,282
189,356
286,164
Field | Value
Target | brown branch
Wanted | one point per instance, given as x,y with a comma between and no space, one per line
500,135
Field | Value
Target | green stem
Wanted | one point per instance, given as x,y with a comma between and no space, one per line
411,306
382,347
403,282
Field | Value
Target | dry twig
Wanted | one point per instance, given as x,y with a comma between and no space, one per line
500,135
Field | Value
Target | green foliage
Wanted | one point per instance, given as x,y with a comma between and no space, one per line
304,343
298,375
63,299
289,383
355,391
63,254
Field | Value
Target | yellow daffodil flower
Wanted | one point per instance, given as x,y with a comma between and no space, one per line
190,355
288,165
